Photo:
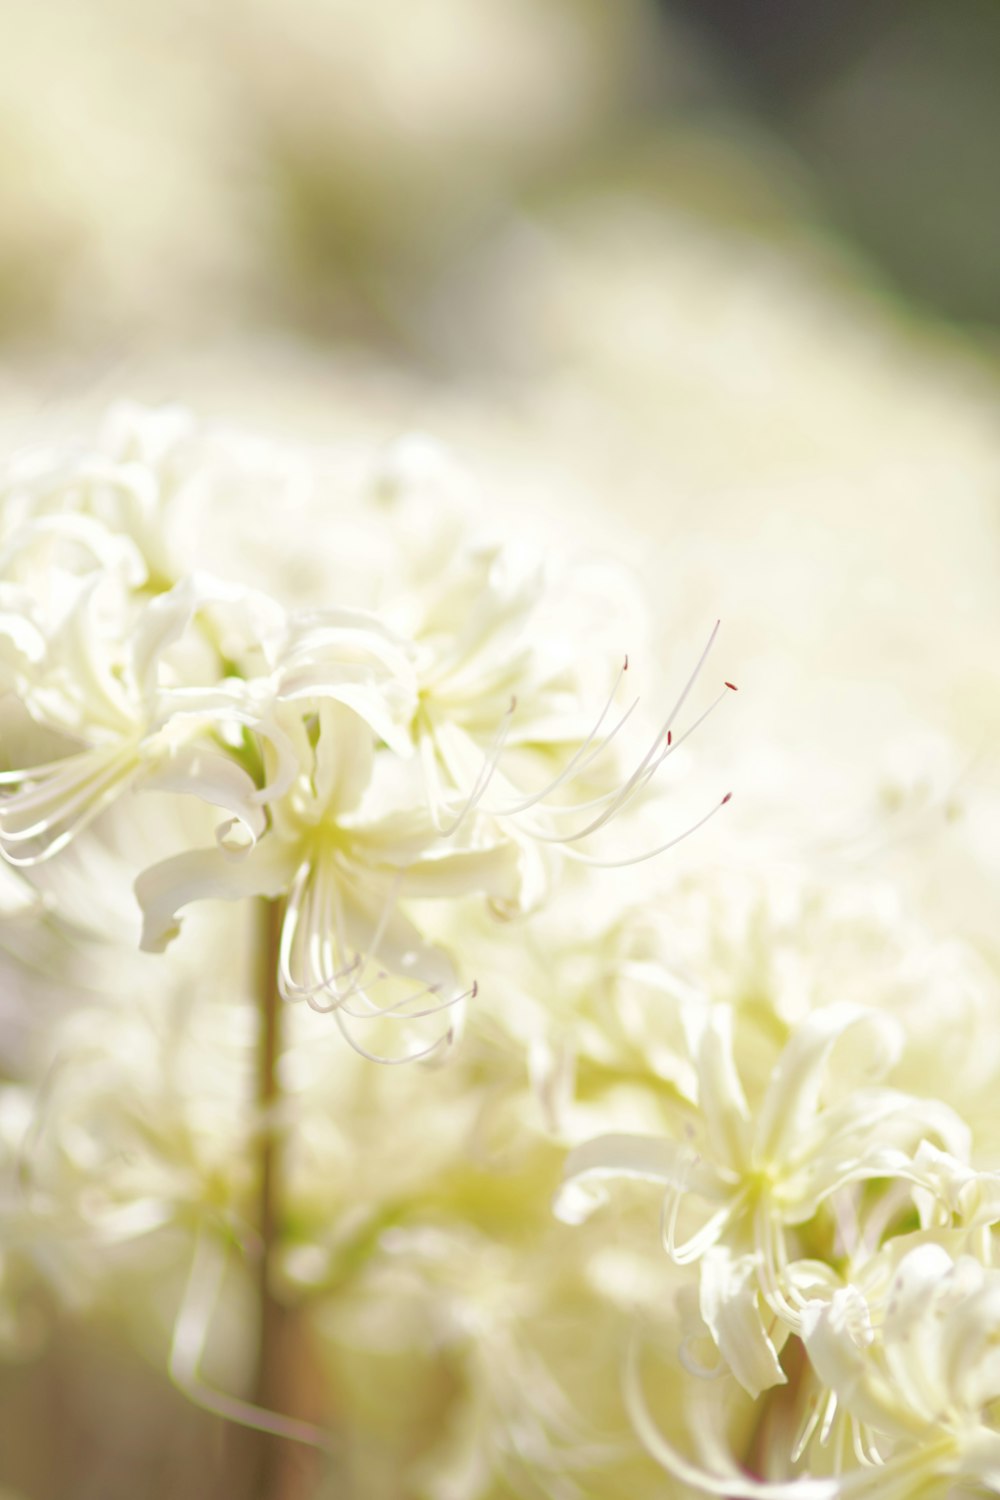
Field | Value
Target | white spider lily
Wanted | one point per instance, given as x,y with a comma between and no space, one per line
145,1113
47,553
466,694
754,1176
916,1368
346,941
499,727
124,483
899,1396
134,728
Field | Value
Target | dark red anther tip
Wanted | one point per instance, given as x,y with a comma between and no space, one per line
725,799
670,735
625,667
732,687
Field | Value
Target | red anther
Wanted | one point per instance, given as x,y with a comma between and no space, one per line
732,687
475,988
725,799
625,667
670,735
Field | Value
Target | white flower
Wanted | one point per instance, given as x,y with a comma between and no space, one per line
754,1176
125,484
346,863
99,682
914,1363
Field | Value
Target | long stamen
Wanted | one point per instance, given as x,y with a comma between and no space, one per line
95,792
620,798
424,1054
397,1008
300,905
663,744
490,761
57,795
581,759
810,1422
638,859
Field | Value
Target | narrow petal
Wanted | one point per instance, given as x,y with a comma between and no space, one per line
644,1158
212,776
730,1306
207,874
793,1096
720,1093
167,617
491,872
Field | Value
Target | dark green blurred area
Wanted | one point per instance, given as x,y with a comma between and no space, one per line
893,108
330,172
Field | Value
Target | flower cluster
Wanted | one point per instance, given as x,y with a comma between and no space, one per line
836,1234
382,776
437,746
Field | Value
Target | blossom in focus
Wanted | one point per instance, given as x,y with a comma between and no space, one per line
435,745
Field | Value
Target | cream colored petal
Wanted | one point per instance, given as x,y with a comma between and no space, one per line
204,772
793,1096
720,1094
839,1337
643,1158
491,872
166,618
730,1306
207,874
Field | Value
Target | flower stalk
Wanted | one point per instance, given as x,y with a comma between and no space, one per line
268,1390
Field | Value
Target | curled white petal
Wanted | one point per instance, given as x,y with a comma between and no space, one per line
730,1306
205,874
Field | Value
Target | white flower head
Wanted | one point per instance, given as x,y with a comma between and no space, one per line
746,1180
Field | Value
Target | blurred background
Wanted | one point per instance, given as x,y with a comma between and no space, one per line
724,272
331,168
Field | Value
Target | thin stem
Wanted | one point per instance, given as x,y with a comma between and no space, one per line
270,1351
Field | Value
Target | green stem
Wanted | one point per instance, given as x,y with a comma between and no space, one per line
268,1384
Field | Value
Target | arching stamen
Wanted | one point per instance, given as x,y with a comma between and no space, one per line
637,778
440,1046
829,1412
772,1266
638,859
810,1422
59,797
397,1008
732,1485
298,914
90,794
583,756
490,761
861,1450
620,798
702,1238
